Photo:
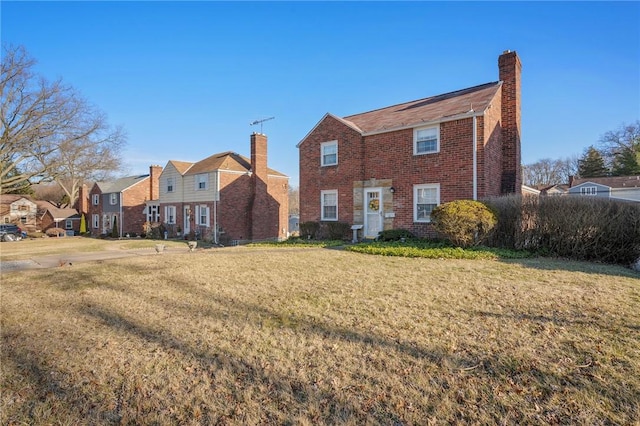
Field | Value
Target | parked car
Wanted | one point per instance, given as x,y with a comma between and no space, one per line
9,232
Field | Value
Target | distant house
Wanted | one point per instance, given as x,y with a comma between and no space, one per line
624,188
530,191
225,197
52,216
388,168
20,210
556,189
122,201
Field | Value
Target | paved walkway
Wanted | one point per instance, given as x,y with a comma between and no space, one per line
56,260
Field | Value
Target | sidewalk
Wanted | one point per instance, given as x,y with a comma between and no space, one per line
56,260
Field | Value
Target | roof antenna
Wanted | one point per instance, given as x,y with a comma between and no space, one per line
253,123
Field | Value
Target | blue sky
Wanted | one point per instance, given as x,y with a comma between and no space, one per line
185,79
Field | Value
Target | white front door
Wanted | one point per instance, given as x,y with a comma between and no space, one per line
187,221
372,212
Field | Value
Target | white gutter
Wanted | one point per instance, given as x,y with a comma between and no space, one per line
475,158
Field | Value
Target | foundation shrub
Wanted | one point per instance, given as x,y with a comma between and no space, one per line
581,228
395,235
335,230
309,230
55,232
463,222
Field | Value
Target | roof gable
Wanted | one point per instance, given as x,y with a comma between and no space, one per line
611,181
342,120
120,185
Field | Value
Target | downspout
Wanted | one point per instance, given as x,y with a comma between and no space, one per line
216,197
475,158
121,218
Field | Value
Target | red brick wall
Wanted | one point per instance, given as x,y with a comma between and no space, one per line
133,204
314,178
91,210
490,147
510,71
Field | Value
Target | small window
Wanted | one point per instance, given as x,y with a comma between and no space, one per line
96,221
329,153
201,181
68,224
426,140
113,199
96,199
426,198
202,215
23,220
588,190
169,184
329,205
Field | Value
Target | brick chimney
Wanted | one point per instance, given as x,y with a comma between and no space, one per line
83,199
260,212
154,182
510,74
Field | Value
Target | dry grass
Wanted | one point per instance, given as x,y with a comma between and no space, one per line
319,336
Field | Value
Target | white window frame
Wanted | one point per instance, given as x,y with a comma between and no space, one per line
202,181
416,189
415,140
96,221
170,215
199,215
96,199
589,190
323,147
113,198
170,184
68,224
324,217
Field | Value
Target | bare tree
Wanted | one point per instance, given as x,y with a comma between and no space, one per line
294,200
49,132
550,172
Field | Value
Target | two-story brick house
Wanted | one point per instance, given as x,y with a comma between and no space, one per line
388,168
122,200
225,197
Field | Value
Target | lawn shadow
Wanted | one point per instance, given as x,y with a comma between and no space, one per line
557,264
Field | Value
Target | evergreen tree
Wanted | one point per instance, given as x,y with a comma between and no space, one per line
83,224
591,164
626,162
114,229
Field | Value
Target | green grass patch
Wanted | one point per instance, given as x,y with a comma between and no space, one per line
436,250
298,242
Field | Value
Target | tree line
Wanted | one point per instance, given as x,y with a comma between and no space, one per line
617,154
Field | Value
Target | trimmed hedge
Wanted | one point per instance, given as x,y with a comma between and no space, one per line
581,228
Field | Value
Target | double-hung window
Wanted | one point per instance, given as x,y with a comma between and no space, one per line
96,199
96,221
202,216
425,199
329,205
170,214
170,184
68,224
426,140
201,181
113,199
329,153
588,190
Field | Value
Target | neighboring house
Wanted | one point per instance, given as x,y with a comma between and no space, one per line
625,188
388,168
122,200
52,216
20,210
556,189
225,197
294,225
528,191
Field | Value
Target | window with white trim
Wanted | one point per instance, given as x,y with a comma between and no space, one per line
425,198
588,190
202,181
68,224
329,205
170,215
96,221
113,199
329,153
202,216
426,140
170,183
96,199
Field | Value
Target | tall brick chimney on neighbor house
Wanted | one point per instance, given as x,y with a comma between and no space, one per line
154,182
260,212
83,199
510,72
